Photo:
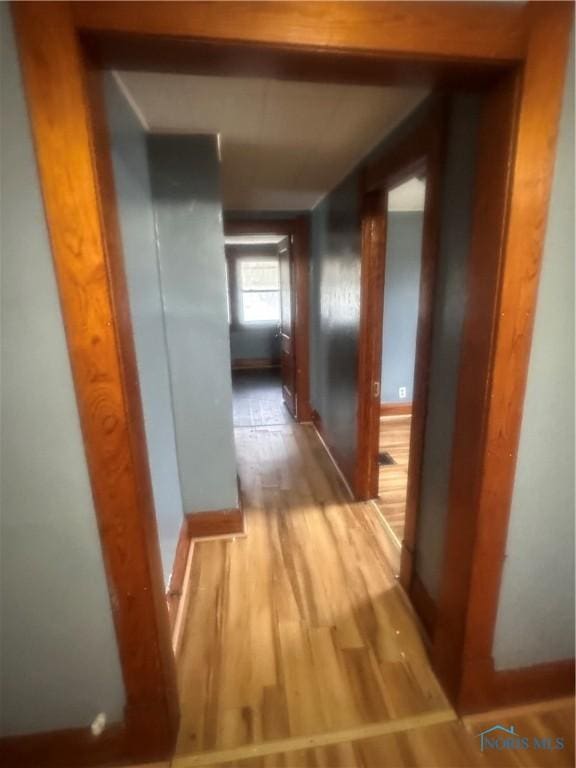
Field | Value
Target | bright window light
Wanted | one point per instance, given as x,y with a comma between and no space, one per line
259,289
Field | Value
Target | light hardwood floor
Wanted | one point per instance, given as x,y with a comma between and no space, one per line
393,478
448,745
299,628
300,648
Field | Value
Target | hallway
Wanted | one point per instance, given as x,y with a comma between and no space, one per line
257,398
277,648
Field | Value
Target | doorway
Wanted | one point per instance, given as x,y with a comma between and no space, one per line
260,296
402,271
268,278
514,47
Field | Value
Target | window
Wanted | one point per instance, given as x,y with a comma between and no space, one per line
258,291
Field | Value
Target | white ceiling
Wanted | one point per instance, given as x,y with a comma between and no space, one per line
408,196
284,144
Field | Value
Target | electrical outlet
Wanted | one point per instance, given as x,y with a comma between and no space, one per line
402,393
98,724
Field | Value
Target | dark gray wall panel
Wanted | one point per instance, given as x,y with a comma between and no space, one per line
449,309
335,285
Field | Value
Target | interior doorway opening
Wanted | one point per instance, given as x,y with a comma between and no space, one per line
267,267
260,296
404,211
507,47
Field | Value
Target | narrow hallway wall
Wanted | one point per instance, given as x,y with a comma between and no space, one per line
449,310
335,316
335,307
60,664
184,173
134,197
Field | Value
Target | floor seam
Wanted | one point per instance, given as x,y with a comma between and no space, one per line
296,743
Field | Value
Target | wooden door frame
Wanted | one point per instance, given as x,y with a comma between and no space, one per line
61,47
297,228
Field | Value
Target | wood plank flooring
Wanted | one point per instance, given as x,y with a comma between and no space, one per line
446,745
299,628
393,478
257,398
442,745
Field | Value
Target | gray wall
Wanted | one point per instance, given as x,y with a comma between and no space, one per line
185,178
335,314
60,666
450,305
335,301
128,142
401,293
261,343
536,613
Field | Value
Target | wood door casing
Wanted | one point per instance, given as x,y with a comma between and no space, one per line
287,358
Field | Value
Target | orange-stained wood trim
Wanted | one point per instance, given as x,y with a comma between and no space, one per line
509,228
395,409
298,229
485,264
485,32
220,522
123,51
176,583
62,749
76,179
485,687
